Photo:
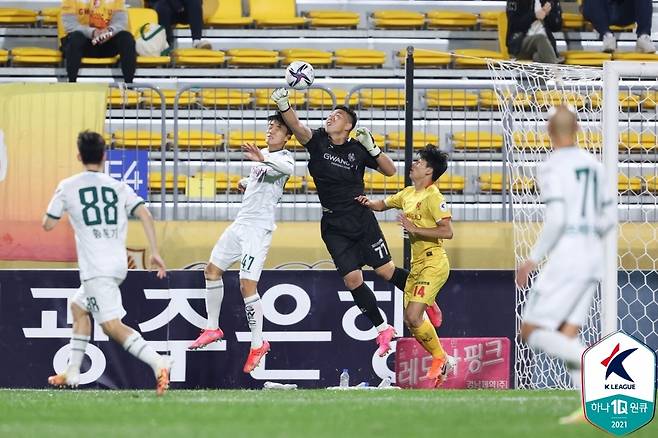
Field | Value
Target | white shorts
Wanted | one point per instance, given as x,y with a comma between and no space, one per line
243,243
558,296
101,297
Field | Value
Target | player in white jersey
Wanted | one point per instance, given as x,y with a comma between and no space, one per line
248,238
98,207
578,214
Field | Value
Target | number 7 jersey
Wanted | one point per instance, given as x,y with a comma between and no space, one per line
98,207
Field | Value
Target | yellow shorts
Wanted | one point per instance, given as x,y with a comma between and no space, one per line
426,278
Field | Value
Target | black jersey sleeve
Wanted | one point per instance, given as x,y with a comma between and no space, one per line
319,135
368,159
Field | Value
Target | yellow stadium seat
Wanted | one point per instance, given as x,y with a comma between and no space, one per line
262,95
252,57
493,182
16,16
554,97
453,99
629,184
133,138
224,97
489,99
395,140
572,21
35,56
625,28
119,98
649,99
194,138
475,58
388,97
360,58
227,13
198,57
294,184
49,16
4,56
151,98
426,58
376,182
477,140
635,56
592,141
223,181
310,184
312,56
280,13
156,183
531,140
451,20
379,138
236,138
451,183
137,19
394,19
637,142
651,183
627,101
587,58
488,19
328,18
318,98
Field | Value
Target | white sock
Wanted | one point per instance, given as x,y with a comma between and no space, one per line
381,327
78,345
558,345
214,297
254,311
137,346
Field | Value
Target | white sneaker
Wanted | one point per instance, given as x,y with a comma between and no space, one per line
609,43
644,44
201,44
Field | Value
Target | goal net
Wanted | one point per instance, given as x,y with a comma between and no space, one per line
619,126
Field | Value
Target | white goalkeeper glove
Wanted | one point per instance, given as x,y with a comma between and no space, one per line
364,137
280,97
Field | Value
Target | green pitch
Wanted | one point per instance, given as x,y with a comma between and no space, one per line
286,414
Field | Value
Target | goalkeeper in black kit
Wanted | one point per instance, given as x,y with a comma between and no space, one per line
349,230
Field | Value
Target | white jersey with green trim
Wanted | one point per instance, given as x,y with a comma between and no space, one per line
264,188
98,207
578,210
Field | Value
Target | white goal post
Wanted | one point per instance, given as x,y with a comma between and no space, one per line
617,109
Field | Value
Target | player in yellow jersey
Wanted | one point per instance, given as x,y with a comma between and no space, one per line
428,221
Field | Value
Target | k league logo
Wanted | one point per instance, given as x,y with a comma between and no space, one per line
619,384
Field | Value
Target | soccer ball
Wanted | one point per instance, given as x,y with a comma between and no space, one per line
299,75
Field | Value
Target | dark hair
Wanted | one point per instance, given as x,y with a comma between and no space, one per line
277,117
435,159
91,146
350,112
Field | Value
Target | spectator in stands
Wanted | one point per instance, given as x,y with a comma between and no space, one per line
97,30
189,12
603,13
530,27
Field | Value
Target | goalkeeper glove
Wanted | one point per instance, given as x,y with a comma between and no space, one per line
280,97
364,137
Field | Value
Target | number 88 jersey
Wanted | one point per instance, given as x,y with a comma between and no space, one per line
98,207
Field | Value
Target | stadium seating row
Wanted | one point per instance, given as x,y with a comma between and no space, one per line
459,140
488,182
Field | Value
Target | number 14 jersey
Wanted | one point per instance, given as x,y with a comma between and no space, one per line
98,207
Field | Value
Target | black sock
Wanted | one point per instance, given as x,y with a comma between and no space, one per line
365,299
399,278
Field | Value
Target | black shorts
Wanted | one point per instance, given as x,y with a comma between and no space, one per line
354,240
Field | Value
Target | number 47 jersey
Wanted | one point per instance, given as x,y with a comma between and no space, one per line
98,208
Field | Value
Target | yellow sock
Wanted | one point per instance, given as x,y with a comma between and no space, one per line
426,335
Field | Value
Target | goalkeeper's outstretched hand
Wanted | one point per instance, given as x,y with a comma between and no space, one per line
364,137
280,97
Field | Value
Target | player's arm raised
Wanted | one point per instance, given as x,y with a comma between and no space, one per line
386,165
149,229
443,229
302,132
